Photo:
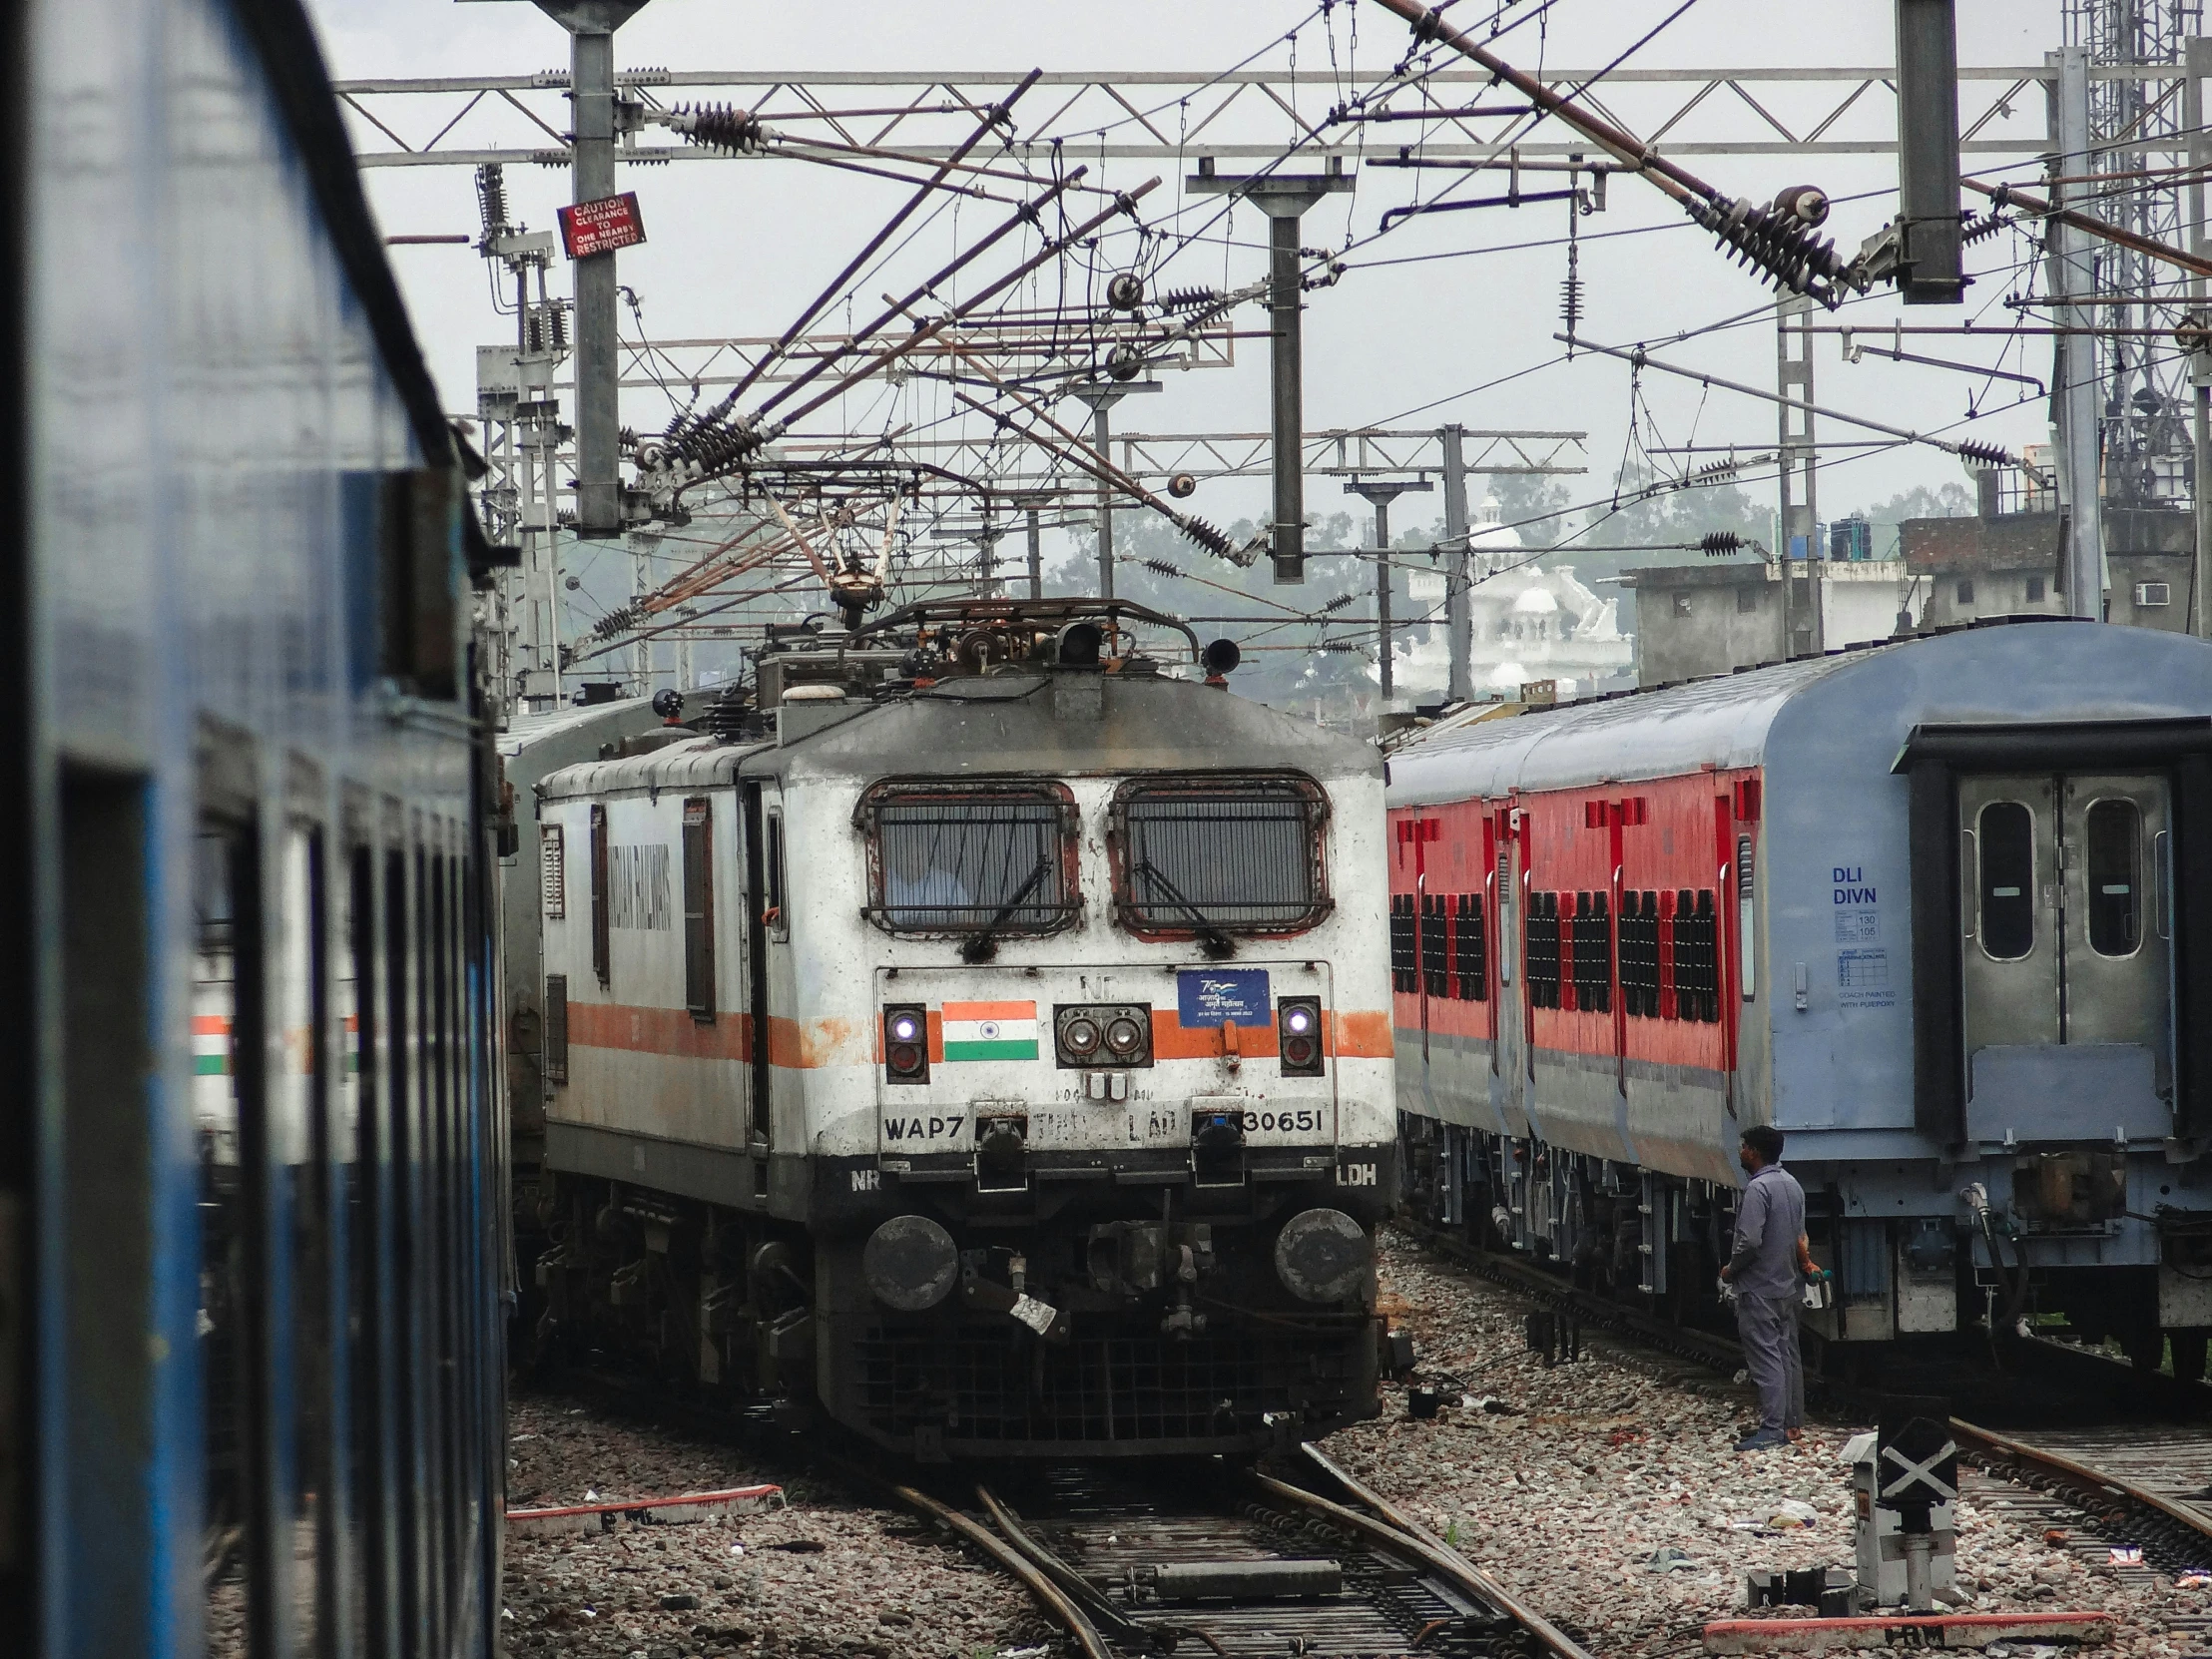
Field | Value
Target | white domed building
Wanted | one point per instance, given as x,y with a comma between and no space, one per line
1529,624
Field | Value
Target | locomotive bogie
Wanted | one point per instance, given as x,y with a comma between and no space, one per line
1048,1065
1961,959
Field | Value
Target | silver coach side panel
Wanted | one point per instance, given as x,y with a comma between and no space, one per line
1838,873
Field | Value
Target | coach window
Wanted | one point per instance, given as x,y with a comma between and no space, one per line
776,916
356,1151
699,910
602,944
2006,840
228,1096
2115,830
987,859
1223,854
300,1145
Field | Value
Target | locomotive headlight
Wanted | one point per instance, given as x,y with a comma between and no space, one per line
1297,1035
1102,1034
906,1044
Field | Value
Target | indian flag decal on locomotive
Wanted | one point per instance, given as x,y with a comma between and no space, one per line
991,1031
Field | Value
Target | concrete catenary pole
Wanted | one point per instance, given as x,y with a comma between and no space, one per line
1102,395
1380,493
1931,258
1797,475
2197,64
591,25
2072,273
1459,569
1284,198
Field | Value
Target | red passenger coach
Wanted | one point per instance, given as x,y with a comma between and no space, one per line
1633,919
1941,911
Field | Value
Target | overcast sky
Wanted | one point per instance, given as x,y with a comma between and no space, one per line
737,247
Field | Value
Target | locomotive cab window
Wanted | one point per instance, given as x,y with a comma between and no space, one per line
2116,833
996,859
1232,854
2005,839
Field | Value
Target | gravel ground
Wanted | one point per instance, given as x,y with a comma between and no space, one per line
1603,1489
1596,1467
820,1576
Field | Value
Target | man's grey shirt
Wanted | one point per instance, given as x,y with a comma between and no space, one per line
1770,1218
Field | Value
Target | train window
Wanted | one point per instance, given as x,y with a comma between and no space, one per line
1436,942
1747,914
300,1145
602,944
227,1109
1470,963
1232,853
403,1105
354,1150
779,923
556,1028
2116,833
553,871
2005,836
951,860
1640,953
1503,885
699,910
1405,956
1591,946
113,1245
1694,934
1543,949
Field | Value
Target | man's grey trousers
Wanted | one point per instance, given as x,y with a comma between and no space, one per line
1768,1325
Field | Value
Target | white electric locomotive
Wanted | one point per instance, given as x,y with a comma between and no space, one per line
1939,909
998,1052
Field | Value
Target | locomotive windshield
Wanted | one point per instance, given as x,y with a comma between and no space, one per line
1234,854
963,861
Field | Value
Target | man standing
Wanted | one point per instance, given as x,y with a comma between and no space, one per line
1765,1271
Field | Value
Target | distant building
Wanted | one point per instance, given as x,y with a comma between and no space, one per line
1964,569
2011,563
1529,624
1694,620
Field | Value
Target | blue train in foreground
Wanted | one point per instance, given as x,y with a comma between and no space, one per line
250,1187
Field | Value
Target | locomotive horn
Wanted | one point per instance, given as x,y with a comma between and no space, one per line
910,1264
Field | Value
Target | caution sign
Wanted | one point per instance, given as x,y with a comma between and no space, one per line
603,226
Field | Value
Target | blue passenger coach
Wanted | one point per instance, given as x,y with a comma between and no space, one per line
250,1156
1938,909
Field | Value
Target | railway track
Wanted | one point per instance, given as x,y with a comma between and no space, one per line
2150,1488
1234,1562
2039,1379
1259,1565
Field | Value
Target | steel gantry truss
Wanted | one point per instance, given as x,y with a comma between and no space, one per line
1160,457
884,116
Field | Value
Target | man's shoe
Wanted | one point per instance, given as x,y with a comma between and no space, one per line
1761,1439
